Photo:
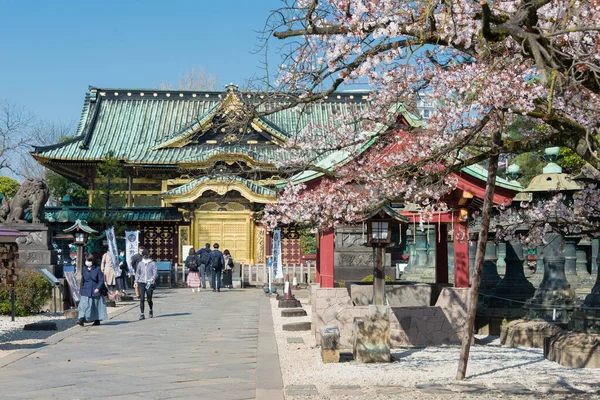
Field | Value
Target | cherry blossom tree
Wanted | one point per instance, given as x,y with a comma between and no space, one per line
483,65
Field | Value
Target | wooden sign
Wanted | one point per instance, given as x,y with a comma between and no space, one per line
73,286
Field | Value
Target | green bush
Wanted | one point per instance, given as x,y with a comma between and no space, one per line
308,241
369,278
32,291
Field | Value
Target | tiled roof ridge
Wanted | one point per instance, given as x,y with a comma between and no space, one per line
256,188
125,93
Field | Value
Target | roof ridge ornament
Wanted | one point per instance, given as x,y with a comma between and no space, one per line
231,88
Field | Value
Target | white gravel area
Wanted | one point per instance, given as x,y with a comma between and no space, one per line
490,366
13,337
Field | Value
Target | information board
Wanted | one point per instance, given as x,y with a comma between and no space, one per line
73,286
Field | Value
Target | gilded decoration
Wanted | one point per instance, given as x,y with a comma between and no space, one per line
260,245
220,187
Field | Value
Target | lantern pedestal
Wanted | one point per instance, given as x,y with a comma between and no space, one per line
35,248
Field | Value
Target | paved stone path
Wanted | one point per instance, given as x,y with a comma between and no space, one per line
198,345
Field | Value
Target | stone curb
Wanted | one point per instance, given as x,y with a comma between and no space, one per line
269,382
57,338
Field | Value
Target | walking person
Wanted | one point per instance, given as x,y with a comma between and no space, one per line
135,260
217,262
192,262
228,270
92,306
145,277
204,255
108,270
122,273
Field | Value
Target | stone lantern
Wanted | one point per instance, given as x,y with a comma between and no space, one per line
81,230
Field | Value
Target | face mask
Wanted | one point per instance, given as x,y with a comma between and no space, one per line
89,263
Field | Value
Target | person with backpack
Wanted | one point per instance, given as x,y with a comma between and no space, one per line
228,270
218,263
204,255
192,262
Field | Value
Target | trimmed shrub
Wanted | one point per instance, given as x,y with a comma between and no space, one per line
369,278
32,291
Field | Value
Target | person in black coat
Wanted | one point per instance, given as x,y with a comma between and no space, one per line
217,263
92,306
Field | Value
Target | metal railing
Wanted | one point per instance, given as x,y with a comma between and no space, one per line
257,274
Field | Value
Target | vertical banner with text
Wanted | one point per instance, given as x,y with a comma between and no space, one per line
277,267
112,250
131,247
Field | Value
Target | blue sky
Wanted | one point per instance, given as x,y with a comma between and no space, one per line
50,51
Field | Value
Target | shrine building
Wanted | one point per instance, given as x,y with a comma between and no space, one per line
195,168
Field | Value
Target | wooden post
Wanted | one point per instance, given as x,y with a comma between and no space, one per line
481,244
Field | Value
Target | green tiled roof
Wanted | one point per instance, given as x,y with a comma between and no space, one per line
132,123
129,214
183,189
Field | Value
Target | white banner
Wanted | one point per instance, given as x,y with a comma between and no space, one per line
112,250
131,247
277,267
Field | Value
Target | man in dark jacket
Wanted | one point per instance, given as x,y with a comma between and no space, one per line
204,255
218,263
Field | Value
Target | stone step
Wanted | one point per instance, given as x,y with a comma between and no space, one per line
127,298
297,326
293,312
111,303
293,303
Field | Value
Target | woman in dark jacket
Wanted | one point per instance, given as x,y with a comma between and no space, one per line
91,306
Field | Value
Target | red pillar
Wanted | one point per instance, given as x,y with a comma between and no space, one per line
461,254
325,259
441,254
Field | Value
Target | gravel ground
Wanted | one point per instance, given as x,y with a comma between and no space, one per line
420,373
13,337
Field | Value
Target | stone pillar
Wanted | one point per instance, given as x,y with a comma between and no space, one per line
472,254
554,300
514,289
501,264
587,317
595,253
571,261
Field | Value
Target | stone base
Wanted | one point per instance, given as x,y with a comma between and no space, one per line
372,336
524,333
330,342
111,303
127,298
292,303
552,305
574,349
489,320
293,312
297,326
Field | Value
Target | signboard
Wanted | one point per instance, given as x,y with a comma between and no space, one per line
277,267
48,275
73,286
131,247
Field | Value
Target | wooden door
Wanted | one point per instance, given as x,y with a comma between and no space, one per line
232,232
